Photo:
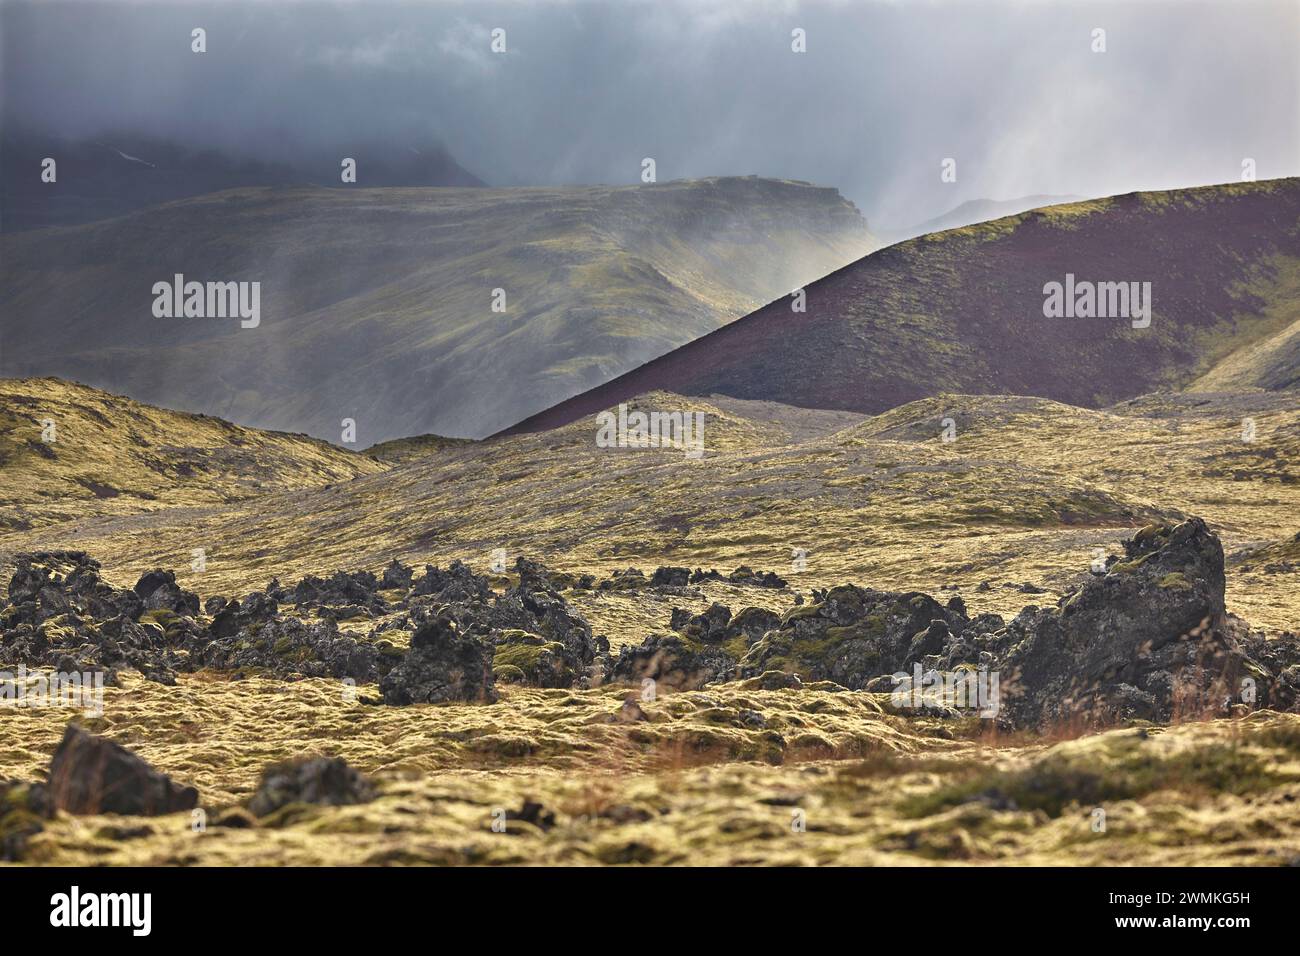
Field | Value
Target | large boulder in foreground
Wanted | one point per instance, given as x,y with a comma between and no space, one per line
92,775
444,664
1150,639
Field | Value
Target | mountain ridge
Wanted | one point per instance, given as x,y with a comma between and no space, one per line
381,305
963,310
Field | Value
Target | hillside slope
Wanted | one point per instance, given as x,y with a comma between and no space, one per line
1009,517
377,304
964,311
1027,492
69,453
974,211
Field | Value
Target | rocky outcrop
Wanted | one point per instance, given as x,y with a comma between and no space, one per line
457,583
61,615
288,646
1146,638
1149,639
705,648
759,579
89,774
232,617
533,576
444,664
742,575
535,607
521,657
344,594
1276,674
850,635
675,663
526,635
674,579
396,576
627,579
670,577
160,592
324,781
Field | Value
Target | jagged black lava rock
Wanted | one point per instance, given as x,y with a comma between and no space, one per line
444,664
705,648
1149,639
325,781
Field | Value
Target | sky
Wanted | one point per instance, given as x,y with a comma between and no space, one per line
885,92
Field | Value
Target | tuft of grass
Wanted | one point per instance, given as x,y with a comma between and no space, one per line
1075,776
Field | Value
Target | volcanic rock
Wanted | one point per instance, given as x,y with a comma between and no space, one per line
444,664
457,583
346,589
1145,640
706,648
675,662
90,774
396,575
670,577
60,614
850,635
159,590
327,781
287,646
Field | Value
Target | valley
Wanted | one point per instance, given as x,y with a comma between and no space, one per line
566,645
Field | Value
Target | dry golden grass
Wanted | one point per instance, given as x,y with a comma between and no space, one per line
109,456
1026,493
692,786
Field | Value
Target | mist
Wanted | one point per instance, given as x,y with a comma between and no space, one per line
1014,92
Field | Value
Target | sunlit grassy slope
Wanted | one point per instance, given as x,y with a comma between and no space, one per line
71,453
1025,495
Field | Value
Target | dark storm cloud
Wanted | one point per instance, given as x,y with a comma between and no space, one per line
1012,91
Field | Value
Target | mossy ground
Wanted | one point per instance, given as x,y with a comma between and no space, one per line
693,785
1026,495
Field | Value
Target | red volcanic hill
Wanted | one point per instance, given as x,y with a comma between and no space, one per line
963,311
